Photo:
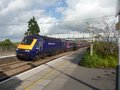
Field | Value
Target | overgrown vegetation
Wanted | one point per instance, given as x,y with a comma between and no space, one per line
105,55
105,48
7,44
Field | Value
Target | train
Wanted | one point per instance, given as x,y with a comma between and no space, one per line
34,46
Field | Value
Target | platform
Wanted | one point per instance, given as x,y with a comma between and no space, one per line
5,53
12,55
63,73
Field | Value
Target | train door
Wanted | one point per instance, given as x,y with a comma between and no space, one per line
39,46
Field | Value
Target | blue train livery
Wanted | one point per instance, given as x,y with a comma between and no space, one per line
35,45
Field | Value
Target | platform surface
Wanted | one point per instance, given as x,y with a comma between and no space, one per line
63,73
6,53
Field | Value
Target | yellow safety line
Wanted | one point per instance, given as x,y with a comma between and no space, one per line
44,76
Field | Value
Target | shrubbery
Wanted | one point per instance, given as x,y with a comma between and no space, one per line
6,45
105,55
106,49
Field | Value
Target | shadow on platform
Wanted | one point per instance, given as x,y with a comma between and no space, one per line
74,78
8,83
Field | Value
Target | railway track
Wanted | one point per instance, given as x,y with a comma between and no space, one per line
13,67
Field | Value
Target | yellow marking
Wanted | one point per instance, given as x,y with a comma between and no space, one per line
29,47
42,77
45,76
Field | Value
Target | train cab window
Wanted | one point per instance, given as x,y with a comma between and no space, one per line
27,41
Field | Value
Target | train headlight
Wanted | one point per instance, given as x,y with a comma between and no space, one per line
27,50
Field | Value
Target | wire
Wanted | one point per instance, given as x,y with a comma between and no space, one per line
79,20
58,22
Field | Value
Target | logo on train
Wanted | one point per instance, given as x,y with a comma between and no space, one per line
50,43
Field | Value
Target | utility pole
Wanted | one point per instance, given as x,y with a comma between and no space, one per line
118,66
91,39
119,55
91,54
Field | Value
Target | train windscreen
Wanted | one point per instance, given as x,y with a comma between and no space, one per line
27,41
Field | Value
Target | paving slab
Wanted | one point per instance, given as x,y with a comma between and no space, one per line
37,87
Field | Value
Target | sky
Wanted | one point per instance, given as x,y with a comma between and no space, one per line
53,16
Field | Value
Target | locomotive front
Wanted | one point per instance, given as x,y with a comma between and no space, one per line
25,49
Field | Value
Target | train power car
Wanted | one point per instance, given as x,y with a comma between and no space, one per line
35,45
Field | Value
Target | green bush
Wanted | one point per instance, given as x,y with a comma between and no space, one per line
106,49
105,55
97,62
6,45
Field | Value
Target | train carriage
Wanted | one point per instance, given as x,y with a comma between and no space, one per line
70,45
32,46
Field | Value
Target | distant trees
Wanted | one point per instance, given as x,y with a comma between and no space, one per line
6,42
33,27
7,45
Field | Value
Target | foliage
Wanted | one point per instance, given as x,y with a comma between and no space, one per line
33,28
103,29
6,42
105,55
98,62
105,49
6,45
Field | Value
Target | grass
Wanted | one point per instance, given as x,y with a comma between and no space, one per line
96,61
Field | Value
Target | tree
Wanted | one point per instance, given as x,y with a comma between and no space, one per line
33,27
103,30
7,42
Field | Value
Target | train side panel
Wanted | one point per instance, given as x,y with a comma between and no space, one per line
51,46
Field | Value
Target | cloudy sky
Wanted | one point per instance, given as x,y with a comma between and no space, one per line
53,16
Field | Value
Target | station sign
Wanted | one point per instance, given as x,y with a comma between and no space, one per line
117,27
